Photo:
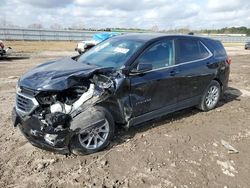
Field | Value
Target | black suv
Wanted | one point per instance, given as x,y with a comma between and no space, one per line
74,104
247,46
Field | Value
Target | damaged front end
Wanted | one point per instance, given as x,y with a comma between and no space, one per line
49,119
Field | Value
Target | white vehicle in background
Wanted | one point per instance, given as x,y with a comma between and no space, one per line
84,46
4,52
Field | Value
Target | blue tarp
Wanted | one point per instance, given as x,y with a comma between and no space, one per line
103,36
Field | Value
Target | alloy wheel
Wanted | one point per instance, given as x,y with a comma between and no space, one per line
94,138
212,96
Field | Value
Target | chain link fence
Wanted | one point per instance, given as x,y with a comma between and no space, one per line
44,34
71,35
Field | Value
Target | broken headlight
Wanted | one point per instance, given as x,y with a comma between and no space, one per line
102,81
46,99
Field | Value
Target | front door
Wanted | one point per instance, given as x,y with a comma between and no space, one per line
157,88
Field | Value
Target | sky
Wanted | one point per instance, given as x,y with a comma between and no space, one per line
165,14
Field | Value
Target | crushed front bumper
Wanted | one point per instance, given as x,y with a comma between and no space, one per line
48,138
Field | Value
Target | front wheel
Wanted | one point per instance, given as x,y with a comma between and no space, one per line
211,96
96,137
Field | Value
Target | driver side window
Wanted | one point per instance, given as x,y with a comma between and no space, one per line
160,55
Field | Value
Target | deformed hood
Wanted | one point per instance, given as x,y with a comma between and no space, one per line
57,75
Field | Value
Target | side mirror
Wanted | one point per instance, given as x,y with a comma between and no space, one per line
142,67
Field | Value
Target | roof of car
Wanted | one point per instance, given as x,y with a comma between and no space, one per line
144,37
141,36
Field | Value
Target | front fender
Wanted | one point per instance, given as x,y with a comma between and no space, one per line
87,119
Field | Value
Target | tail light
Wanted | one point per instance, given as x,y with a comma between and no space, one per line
229,61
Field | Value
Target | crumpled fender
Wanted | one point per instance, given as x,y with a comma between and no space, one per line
87,119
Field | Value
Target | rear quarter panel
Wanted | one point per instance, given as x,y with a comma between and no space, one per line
220,59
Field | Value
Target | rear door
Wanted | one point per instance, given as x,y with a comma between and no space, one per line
157,88
193,59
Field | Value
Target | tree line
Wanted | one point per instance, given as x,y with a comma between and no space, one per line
228,30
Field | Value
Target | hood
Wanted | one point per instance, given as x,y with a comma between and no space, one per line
58,75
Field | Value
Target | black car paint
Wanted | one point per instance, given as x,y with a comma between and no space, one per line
58,75
134,98
247,46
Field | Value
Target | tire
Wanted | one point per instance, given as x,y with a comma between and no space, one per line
105,129
210,97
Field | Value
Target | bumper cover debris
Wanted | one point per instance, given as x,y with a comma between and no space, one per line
52,139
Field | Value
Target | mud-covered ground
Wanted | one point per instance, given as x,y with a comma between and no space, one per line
181,150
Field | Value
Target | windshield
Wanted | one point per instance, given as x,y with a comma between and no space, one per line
111,53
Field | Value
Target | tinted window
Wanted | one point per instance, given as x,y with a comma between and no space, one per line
160,55
218,48
190,50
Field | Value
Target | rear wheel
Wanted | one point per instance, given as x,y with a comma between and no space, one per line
211,96
95,138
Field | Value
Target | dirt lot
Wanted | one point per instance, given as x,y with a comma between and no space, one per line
40,46
180,150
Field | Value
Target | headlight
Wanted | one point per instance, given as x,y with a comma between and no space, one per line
46,98
18,88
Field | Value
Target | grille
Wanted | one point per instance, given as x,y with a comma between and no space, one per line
25,104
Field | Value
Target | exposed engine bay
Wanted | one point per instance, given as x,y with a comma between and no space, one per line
74,100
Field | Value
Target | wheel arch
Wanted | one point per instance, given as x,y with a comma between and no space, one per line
115,109
93,115
219,81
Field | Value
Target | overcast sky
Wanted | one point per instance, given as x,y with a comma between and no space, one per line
166,14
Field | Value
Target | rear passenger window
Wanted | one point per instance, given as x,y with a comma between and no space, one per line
190,50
